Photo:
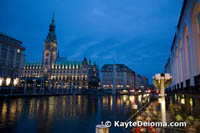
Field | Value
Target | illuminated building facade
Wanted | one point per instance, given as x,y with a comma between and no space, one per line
184,61
121,77
11,60
58,72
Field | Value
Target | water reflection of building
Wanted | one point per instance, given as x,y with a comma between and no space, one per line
11,59
184,61
58,72
122,77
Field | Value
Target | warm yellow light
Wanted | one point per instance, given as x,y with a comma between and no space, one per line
16,81
132,99
183,100
1,81
8,80
18,51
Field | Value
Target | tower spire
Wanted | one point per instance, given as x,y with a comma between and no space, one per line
52,21
58,56
52,26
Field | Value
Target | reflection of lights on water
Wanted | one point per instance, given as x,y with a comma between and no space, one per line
178,98
111,102
140,98
183,100
183,96
37,105
134,106
127,103
191,102
175,96
124,98
118,102
19,105
12,112
105,100
163,109
148,99
132,99
3,113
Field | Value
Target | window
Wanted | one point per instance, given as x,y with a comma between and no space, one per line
46,61
18,51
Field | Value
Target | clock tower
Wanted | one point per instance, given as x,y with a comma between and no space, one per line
50,48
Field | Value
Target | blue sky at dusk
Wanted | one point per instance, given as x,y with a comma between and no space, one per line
137,33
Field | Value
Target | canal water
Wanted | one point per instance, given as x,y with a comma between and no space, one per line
65,114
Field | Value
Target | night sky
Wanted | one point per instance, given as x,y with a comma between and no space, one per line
137,33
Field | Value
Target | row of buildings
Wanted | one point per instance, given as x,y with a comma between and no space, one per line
120,76
184,60
55,71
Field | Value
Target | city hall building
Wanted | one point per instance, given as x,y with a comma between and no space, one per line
184,60
58,72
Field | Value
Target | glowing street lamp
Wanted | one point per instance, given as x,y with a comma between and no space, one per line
161,81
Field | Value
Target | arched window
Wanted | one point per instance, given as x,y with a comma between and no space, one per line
187,50
46,61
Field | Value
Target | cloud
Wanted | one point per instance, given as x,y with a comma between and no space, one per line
110,55
83,49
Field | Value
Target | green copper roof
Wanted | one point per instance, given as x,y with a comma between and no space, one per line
33,63
64,61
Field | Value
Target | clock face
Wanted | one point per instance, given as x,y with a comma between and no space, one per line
47,46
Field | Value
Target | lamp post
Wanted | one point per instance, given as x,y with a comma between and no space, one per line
162,81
